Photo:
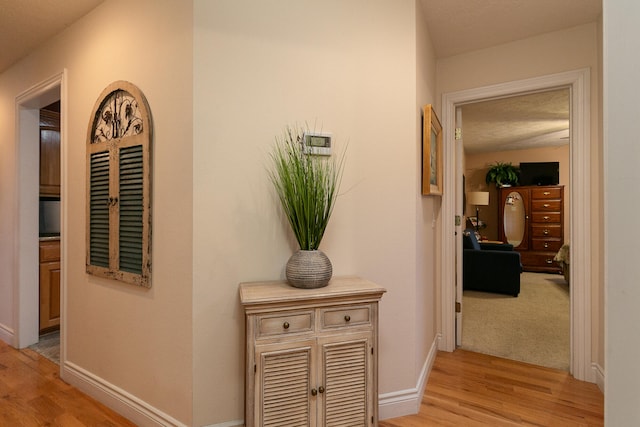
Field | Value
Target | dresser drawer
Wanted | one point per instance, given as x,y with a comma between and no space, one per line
546,217
284,324
546,245
546,231
546,205
546,193
540,261
345,317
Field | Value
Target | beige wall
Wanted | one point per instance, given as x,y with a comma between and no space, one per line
550,53
427,304
477,165
258,67
136,339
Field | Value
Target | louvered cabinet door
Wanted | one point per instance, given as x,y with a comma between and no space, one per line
347,378
284,385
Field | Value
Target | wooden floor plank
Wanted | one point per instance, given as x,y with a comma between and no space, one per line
33,395
471,389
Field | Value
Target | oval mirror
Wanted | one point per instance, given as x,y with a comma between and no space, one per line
514,219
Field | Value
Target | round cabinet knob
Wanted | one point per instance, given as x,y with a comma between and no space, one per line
546,245
347,318
546,218
321,389
546,205
285,325
314,392
545,232
549,261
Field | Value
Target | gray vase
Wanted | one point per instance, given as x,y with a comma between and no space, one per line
309,269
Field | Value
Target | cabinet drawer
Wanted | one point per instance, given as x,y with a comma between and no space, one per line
546,205
345,317
546,193
548,245
546,217
49,251
546,231
285,323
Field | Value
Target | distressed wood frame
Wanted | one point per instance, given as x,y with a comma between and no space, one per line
113,145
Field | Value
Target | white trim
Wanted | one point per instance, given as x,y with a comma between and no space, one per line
598,372
64,217
237,423
124,403
448,236
6,334
407,402
579,82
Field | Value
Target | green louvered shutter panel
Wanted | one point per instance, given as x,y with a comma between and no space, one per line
131,209
99,209
119,191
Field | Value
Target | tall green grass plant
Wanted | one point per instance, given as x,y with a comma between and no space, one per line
307,186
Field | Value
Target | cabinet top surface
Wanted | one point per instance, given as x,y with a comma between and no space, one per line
254,293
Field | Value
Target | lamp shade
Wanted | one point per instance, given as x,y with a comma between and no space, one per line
478,198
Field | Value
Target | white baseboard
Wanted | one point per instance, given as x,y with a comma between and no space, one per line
407,402
599,374
127,405
7,334
237,423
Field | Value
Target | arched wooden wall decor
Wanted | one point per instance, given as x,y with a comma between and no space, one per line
119,186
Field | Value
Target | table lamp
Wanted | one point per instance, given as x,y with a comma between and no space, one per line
478,198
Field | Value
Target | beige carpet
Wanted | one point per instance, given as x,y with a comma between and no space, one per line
533,328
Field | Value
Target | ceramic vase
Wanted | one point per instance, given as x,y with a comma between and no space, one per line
309,269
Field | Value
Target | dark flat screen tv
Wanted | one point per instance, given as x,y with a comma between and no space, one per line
539,173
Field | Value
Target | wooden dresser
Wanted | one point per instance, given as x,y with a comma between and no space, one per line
312,354
543,225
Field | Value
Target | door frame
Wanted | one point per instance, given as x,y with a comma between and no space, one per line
580,157
26,266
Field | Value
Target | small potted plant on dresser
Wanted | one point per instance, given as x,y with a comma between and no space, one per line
502,174
307,186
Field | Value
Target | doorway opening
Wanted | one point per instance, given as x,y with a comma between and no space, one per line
580,205
531,133
31,211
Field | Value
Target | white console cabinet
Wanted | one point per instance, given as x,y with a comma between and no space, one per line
312,354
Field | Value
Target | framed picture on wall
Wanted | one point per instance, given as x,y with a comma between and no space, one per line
431,153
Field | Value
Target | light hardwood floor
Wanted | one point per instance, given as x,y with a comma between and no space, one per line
33,395
464,389
472,389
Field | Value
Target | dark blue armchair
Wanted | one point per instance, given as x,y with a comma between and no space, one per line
490,267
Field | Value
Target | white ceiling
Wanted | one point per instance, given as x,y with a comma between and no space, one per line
515,123
455,26
458,26
25,24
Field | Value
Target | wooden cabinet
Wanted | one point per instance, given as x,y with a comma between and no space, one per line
49,285
312,355
543,227
49,153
